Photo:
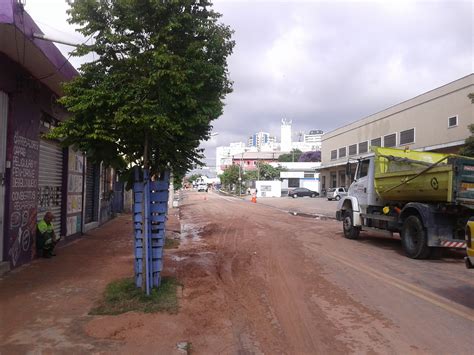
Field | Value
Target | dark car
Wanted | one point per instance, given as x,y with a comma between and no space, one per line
302,191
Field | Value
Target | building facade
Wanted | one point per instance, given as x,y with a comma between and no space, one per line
434,121
36,174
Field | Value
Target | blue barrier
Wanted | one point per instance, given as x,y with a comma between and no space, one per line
150,205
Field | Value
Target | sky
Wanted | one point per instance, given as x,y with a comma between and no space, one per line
321,64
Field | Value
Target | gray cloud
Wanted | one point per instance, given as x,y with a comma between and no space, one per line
324,64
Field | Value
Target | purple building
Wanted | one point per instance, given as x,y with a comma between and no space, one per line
37,175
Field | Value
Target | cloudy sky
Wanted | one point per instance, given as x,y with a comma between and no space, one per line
322,64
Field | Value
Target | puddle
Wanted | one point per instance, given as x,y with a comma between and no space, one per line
190,231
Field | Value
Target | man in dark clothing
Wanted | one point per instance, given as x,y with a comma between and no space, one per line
46,238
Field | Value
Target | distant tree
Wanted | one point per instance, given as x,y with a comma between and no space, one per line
230,176
268,172
193,178
468,149
313,156
263,172
293,156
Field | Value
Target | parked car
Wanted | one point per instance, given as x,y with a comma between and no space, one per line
336,193
302,191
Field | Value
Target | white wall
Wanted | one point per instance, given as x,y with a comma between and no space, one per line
268,188
312,184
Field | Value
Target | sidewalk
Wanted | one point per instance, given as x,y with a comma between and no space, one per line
44,305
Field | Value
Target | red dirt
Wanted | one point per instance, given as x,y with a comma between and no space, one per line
254,280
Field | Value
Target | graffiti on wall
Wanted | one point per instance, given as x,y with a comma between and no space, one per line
49,197
24,180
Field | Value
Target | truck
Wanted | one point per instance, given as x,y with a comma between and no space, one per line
426,197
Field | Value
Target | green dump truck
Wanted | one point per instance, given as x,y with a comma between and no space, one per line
425,197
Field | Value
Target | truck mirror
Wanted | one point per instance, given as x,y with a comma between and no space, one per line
348,171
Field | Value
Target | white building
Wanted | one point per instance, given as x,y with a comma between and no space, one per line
224,155
285,145
260,139
314,137
299,174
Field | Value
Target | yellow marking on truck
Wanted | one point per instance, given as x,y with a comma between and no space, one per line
426,295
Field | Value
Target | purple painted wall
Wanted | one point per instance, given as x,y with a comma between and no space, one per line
27,99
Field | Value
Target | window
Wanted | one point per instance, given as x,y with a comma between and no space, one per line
390,140
293,182
377,142
333,154
363,147
309,174
407,137
353,149
342,152
452,121
363,168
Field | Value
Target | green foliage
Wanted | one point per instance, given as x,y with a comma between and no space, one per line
123,296
157,82
194,177
468,149
264,172
293,156
230,176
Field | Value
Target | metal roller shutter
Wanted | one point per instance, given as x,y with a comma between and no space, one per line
50,182
91,192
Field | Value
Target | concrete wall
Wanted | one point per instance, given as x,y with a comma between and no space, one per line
268,188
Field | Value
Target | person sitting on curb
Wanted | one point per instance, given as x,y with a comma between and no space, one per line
46,238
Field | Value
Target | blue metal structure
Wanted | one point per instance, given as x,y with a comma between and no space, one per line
150,205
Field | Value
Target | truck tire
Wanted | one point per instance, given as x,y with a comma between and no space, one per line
414,239
350,231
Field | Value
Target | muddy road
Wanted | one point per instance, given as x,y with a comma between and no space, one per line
255,280
276,283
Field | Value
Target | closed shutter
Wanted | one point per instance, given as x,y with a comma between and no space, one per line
50,182
91,189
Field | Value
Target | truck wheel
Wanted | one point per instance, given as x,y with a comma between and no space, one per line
350,231
414,239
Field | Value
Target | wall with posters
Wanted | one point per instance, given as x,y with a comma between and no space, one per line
75,184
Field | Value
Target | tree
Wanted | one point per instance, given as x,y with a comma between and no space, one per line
313,156
264,172
230,176
293,156
268,172
158,81
193,178
468,149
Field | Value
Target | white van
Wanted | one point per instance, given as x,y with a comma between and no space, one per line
202,187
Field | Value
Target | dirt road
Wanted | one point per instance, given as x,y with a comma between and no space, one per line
258,281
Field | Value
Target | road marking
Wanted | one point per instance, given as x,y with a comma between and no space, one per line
426,295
